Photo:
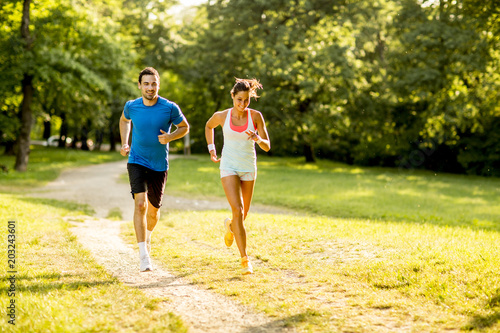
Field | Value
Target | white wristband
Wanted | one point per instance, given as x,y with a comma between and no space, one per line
211,147
259,141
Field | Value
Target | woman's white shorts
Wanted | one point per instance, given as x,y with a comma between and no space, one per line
245,176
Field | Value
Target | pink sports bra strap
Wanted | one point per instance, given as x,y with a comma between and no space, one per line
241,128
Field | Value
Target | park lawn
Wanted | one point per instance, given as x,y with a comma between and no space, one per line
45,164
382,262
328,274
58,286
340,190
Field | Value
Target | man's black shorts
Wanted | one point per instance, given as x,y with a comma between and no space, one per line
143,179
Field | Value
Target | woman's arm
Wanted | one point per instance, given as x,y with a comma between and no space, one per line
217,119
262,139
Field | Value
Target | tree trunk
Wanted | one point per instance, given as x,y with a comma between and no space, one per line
85,136
63,132
27,87
10,148
98,139
380,48
23,149
47,129
112,134
307,147
309,153
74,142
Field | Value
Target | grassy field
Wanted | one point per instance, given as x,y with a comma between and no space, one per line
58,286
414,251
45,164
339,190
369,249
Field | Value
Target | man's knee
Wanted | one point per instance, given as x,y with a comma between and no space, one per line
141,205
154,212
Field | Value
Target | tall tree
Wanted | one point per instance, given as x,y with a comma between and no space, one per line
76,78
439,75
277,42
27,89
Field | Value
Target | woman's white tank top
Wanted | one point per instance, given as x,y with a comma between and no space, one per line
238,153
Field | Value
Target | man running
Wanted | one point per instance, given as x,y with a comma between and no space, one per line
152,117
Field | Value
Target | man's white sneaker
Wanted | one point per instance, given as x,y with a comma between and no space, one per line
146,264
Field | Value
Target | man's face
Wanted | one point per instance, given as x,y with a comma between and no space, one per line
149,86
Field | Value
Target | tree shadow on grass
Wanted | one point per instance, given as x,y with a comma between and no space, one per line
45,283
46,276
48,281
68,205
309,317
481,322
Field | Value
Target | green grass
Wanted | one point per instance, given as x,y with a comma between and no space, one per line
45,164
328,274
115,214
373,246
59,288
339,190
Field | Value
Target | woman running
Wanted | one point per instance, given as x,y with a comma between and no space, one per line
242,128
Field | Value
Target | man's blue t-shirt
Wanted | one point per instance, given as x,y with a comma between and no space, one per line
147,121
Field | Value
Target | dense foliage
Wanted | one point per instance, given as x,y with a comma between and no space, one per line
409,84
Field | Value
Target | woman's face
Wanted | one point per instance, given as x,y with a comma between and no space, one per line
241,100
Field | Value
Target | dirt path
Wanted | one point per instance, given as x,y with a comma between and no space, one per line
201,310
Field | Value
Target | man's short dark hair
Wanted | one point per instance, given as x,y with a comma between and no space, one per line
149,71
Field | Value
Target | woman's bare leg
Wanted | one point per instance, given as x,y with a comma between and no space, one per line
232,188
247,192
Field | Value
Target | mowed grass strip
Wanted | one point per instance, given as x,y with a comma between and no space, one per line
58,287
340,190
382,263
